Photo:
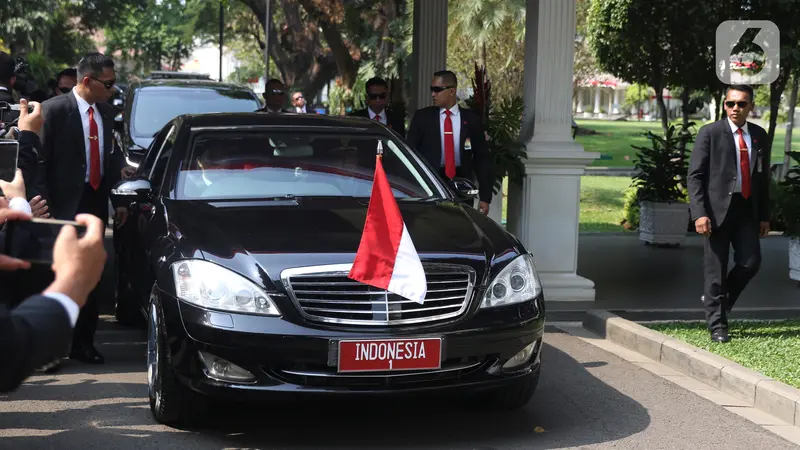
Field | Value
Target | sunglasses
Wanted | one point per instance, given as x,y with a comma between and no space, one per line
376,96
277,92
741,104
438,89
64,90
108,84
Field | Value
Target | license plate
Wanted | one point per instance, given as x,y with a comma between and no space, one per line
381,355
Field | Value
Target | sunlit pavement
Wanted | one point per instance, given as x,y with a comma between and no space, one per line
587,398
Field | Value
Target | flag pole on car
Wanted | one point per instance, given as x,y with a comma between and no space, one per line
386,257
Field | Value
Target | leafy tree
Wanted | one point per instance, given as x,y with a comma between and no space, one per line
157,33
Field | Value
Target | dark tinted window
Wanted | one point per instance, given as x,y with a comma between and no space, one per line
240,164
154,107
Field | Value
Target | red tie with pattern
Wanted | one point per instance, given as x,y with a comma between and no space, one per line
94,152
744,157
449,146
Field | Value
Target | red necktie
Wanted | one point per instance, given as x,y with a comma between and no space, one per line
449,146
378,118
94,152
744,157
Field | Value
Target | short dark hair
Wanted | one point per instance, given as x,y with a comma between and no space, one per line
69,72
92,65
272,81
448,77
7,66
376,81
741,88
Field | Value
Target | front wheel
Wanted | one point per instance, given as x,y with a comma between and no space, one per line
171,402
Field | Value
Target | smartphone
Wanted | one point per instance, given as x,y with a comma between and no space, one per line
9,152
33,240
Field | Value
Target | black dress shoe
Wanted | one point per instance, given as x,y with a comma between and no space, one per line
720,336
86,354
51,367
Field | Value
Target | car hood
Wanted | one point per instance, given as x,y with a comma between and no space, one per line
277,235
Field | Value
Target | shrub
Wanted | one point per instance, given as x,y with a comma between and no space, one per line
663,166
788,199
630,209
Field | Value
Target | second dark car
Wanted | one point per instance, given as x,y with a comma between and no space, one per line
242,230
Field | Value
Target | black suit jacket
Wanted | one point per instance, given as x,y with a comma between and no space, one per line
713,171
7,96
396,123
62,160
424,135
31,335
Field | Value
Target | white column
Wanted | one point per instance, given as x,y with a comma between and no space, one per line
617,100
597,98
429,49
543,211
579,110
610,94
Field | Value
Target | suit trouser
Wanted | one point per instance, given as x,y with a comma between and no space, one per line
740,229
94,202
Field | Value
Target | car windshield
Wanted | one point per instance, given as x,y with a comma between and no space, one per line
268,164
154,107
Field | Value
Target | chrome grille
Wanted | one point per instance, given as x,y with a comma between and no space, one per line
325,294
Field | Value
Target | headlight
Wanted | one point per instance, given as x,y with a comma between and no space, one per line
211,286
517,282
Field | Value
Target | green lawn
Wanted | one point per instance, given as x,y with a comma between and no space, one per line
601,203
771,348
616,138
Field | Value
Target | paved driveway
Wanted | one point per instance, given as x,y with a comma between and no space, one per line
587,398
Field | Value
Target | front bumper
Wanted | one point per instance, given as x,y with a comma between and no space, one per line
290,358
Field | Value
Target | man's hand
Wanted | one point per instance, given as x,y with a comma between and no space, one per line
79,263
764,229
39,207
6,262
127,172
33,121
16,188
703,226
120,216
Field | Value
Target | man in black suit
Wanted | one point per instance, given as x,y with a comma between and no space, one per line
452,139
274,97
77,168
377,99
728,185
39,330
7,78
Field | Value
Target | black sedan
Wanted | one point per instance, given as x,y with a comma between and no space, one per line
241,233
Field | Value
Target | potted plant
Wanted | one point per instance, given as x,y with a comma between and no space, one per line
788,203
660,187
501,121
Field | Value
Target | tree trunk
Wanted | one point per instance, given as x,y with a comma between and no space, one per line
685,99
662,107
787,143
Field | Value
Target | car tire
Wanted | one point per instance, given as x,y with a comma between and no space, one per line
171,402
514,395
126,309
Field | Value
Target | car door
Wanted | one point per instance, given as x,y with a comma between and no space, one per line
147,216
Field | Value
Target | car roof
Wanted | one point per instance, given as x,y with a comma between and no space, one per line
187,83
257,119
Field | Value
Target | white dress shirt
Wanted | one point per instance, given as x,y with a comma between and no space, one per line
83,107
19,204
749,141
455,117
382,115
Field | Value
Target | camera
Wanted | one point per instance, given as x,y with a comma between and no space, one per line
9,113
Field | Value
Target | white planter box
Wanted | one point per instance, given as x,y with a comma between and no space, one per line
663,223
794,259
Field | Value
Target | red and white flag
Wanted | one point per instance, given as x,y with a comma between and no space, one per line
386,256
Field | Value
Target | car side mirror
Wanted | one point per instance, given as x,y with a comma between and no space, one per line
136,189
464,187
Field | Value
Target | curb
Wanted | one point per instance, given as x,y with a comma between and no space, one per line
759,391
